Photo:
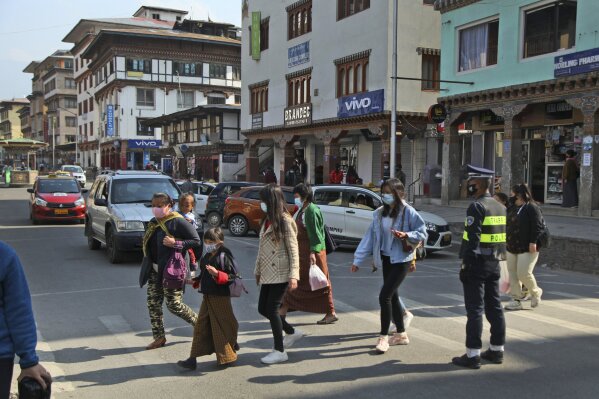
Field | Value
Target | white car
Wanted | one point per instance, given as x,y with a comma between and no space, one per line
76,172
201,191
347,212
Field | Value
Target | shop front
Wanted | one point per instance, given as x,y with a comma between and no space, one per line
142,153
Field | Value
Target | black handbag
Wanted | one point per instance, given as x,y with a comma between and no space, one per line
329,241
144,271
31,389
544,240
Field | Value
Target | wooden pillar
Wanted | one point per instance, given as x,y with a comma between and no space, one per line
252,161
330,139
512,170
452,164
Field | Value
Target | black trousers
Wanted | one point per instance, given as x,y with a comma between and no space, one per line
269,303
6,368
393,275
481,293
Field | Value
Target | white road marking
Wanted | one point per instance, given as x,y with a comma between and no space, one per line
228,238
573,296
84,291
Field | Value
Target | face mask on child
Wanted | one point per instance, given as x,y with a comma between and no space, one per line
210,247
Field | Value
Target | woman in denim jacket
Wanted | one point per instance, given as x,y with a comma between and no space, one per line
394,222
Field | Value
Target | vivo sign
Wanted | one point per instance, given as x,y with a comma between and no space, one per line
361,104
144,143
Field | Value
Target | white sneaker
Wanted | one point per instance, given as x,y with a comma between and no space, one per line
407,319
382,344
291,339
536,300
275,357
514,305
399,339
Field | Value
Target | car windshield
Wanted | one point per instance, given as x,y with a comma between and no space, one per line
134,191
74,169
67,186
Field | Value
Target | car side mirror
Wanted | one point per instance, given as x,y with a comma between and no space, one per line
100,202
84,190
30,190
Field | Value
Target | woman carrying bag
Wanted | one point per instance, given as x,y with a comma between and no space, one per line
312,251
394,233
523,230
277,267
167,232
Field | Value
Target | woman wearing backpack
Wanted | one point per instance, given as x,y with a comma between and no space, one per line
167,231
523,229
277,267
216,328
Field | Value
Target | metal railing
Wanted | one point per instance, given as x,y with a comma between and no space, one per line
410,189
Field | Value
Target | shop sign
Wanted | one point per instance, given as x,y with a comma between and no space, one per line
298,55
361,104
437,113
144,143
255,43
257,121
298,115
230,157
576,63
110,120
488,118
559,110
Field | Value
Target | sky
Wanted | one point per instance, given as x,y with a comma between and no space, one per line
31,30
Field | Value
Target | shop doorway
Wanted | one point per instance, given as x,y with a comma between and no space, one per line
536,163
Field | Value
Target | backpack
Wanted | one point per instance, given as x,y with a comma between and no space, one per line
236,287
544,240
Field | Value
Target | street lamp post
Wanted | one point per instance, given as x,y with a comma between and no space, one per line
392,135
52,125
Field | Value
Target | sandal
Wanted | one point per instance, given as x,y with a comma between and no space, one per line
328,320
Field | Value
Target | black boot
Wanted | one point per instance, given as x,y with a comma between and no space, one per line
492,356
189,364
465,361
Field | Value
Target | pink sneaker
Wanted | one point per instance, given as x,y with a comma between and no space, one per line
399,339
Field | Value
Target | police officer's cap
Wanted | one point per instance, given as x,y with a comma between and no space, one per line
475,172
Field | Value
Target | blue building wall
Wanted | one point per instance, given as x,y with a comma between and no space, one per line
511,69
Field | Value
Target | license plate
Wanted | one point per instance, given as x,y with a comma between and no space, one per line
61,211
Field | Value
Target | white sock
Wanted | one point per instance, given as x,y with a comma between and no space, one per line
496,348
472,352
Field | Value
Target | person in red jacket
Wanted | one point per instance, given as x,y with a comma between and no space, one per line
336,176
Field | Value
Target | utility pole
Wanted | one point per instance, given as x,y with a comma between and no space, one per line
53,125
392,135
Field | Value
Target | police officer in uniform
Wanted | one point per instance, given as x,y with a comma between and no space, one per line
483,246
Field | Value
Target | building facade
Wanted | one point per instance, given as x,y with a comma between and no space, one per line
531,94
136,76
37,105
10,121
317,85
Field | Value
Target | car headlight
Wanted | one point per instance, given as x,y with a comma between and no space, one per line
40,202
431,226
80,202
130,225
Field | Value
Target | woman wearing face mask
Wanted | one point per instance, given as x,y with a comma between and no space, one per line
277,267
312,250
524,226
216,328
166,232
395,231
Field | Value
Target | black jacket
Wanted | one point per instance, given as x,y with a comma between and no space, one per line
182,231
524,226
208,283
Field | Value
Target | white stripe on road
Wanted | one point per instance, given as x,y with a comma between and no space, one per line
418,334
572,296
84,291
544,319
241,241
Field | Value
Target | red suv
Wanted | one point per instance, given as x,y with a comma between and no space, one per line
55,197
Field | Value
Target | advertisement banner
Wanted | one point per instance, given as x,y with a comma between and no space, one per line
255,42
298,55
298,115
141,143
110,120
361,104
575,63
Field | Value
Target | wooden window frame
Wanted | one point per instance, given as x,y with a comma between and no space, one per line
436,74
259,99
345,10
299,89
343,77
299,20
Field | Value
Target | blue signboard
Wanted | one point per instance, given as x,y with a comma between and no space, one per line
575,63
144,143
299,54
110,120
361,104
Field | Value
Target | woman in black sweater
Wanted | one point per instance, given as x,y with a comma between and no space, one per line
524,227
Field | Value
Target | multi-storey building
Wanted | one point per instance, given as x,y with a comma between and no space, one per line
25,118
532,93
142,73
37,105
10,121
317,85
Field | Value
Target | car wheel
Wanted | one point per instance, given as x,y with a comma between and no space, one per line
92,243
114,255
213,219
238,226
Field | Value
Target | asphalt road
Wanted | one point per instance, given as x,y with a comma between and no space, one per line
93,326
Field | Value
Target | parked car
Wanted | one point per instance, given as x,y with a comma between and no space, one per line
119,208
216,200
347,212
201,192
242,211
75,171
55,197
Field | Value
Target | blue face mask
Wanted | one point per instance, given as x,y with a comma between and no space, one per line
388,199
263,207
210,247
298,202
